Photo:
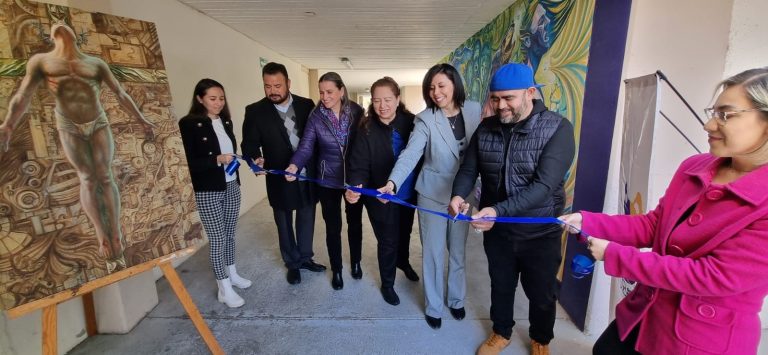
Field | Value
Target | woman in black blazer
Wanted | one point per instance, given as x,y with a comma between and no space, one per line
210,145
382,135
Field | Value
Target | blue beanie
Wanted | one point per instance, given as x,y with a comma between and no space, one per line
513,76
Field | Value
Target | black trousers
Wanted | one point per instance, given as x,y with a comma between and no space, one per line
330,203
610,343
405,226
295,249
386,228
535,263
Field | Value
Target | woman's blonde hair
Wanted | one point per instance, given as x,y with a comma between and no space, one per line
755,83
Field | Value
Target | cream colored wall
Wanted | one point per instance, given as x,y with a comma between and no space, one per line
314,93
194,47
411,96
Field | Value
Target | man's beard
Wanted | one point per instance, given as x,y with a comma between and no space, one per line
516,114
280,98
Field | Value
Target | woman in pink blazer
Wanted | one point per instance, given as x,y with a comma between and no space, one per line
700,289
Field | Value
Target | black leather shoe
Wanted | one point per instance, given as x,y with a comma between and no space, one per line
293,276
410,274
390,296
337,282
311,265
433,322
357,272
458,313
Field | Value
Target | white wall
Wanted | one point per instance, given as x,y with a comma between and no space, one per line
687,40
748,47
194,47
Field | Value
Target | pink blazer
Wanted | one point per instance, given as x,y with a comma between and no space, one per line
701,288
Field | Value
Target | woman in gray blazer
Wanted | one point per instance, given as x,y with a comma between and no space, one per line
441,134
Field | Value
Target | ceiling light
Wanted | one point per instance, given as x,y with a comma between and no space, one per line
347,63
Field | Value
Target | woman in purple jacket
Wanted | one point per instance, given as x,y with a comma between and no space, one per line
329,132
701,288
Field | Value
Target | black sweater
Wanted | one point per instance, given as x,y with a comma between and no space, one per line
371,157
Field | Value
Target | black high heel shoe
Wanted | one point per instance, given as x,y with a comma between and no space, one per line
433,322
458,313
337,282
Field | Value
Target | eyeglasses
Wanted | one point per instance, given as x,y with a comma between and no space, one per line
721,117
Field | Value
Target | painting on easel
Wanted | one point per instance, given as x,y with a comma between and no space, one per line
93,177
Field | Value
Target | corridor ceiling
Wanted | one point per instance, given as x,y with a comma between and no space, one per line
386,37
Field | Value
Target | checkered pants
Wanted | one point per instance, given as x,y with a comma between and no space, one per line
218,212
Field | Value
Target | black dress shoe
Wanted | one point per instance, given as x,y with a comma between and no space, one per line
293,276
458,313
357,272
337,282
410,274
390,296
311,265
433,322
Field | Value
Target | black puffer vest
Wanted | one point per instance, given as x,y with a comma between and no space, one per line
526,145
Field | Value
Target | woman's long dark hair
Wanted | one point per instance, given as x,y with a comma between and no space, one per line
459,95
372,115
201,89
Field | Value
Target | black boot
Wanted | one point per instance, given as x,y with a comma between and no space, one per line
293,276
390,296
337,282
357,271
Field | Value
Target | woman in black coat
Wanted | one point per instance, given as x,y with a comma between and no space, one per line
210,145
382,135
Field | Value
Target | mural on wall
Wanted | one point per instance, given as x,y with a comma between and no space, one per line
93,173
552,37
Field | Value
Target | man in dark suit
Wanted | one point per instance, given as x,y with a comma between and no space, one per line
271,133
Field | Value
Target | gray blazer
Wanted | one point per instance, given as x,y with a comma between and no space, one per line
433,138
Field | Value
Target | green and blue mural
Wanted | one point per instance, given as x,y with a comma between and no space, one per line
576,50
552,37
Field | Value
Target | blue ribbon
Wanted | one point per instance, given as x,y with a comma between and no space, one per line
581,265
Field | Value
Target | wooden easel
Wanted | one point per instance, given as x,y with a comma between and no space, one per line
48,304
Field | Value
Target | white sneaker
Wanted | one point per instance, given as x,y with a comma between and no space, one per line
236,279
227,295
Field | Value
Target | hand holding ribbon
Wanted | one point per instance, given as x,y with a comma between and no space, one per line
291,173
484,220
352,196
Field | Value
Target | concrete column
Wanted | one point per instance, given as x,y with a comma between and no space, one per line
120,306
23,335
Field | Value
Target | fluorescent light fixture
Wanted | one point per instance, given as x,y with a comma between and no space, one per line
347,63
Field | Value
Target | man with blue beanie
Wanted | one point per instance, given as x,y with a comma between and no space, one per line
522,154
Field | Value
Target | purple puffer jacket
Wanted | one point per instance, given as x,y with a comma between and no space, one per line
319,139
